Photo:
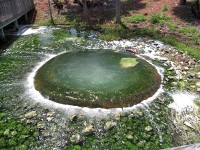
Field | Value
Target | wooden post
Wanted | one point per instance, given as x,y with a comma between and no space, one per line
16,27
2,34
26,17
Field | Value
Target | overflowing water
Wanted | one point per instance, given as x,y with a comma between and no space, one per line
127,128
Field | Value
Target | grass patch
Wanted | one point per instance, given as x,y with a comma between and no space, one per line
136,18
111,32
171,26
159,19
165,8
181,46
187,30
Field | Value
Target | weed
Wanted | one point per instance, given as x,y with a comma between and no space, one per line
159,19
171,26
196,38
187,30
165,8
136,18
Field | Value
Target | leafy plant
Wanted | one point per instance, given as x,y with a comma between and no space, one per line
136,18
159,19
171,26
187,30
165,8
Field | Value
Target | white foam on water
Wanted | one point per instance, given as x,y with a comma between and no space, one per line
182,100
41,29
69,109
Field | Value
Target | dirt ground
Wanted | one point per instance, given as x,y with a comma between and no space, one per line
101,14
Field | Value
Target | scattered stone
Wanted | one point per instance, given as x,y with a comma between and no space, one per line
188,124
148,128
109,125
198,84
88,130
129,137
73,117
174,83
49,118
163,59
117,116
76,139
50,114
41,125
30,114
141,143
198,75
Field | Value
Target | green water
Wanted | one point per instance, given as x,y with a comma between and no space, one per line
97,78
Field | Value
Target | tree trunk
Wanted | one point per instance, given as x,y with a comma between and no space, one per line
50,12
197,6
182,2
117,11
85,11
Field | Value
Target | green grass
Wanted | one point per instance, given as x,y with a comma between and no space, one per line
165,8
136,18
159,19
187,30
181,46
171,26
115,32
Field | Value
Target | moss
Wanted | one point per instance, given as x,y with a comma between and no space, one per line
128,62
22,147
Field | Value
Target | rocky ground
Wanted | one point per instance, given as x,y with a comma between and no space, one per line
152,125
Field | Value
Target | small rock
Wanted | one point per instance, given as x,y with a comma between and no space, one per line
117,116
148,128
129,137
174,83
30,114
170,77
109,125
163,59
198,75
40,125
50,114
198,84
186,68
75,139
188,124
88,130
49,118
141,143
73,117
198,89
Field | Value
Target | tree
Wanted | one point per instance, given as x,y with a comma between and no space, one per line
50,12
117,11
197,3
85,11
183,2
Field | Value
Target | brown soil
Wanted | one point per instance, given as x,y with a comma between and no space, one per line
180,14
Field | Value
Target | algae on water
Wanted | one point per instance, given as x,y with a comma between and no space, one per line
128,62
